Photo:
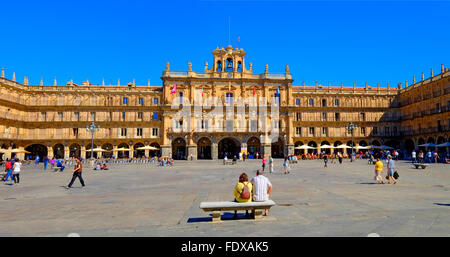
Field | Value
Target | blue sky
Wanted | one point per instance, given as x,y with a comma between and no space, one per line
353,41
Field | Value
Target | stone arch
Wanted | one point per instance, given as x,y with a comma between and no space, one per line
230,146
312,144
409,145
109,147
58,151
298,151
88,151
153,153
123,154
204,145
75,150
179,149
138,153
277,148
326,150
253,145
37,150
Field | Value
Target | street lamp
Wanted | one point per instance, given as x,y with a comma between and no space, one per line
350,127
92,128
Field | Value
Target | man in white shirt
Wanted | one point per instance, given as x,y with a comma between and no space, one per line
413,156
261,188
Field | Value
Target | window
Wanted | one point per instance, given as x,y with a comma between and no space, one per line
76,115
92,115
125,101
311,102
60,115
277,98
75,131
123,115
123,132
386,131
229,98
337,116
253,125
155,100
139,132
155,132
239,67
219,66
324,116
324,130
336,102
110,100
140,115
155,116
297,101
311,130
375,130
394,131
43,115
362,116
324,102
363,131
299,116
181,98
298,130
141,101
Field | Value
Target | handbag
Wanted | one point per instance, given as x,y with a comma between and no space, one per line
396,175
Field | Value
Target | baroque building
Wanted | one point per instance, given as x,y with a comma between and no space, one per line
217,111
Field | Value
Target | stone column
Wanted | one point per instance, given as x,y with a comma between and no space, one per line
8,153
319,149
214,151
244,148
147,153
50,152
83,152
166,150
267,149
21,156
192,149
66,152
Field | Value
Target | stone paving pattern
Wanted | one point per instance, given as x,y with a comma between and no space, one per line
146,200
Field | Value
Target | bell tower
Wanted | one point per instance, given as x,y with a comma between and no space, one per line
229,60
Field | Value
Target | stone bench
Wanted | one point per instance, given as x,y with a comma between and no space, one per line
422,165
225,162
292,161
217,207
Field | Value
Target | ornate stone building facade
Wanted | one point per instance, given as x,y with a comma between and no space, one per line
52,120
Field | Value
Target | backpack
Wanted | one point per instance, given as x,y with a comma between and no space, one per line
8,165
245,194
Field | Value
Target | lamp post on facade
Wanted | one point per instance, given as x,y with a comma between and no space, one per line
92,128
350,127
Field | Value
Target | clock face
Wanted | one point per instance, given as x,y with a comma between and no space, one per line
229,74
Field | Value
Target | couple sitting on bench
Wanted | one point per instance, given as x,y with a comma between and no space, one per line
258,190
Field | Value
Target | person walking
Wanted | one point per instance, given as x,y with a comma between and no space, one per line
286,165
8,170
340,157
263,163
325,160
37,160
261,188
271,164
76,173
243,157
391,170
413,156
379,171
16,171
45,162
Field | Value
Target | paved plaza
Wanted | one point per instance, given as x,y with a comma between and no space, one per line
146,200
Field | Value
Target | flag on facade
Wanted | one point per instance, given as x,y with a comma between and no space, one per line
254,90
202,91
174,89
278,91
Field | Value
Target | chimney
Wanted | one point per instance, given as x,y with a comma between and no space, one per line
3,72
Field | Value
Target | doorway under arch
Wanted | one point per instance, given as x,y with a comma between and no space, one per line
253,146
58,151
277,148
204,149
37,150
179,149
229,146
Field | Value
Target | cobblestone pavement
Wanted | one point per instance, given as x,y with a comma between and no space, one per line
145,200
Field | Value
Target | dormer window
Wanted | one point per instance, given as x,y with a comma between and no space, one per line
229,65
